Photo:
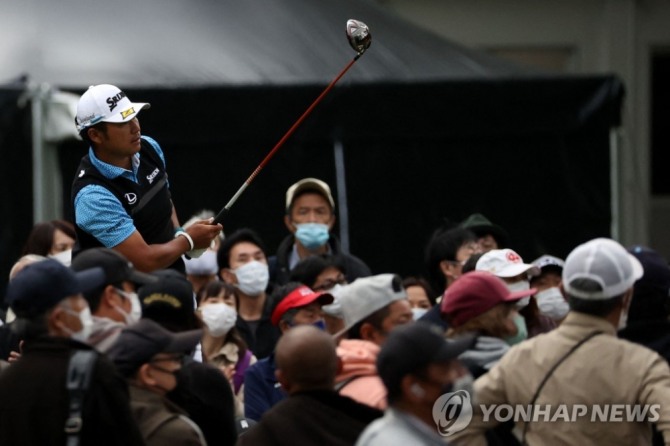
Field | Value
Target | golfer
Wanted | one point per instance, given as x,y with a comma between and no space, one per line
120,193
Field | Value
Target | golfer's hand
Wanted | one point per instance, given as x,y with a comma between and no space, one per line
203,232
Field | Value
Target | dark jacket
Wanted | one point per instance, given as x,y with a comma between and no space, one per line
162,422
34,399
205,394
279,263
261,388
262,341
656,336
319,417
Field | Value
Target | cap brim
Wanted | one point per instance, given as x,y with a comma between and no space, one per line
638,269
90,279
141,278
127,114
517,295
515,269
184,341
453,348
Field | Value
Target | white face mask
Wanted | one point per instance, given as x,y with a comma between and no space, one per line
552,304
418,312
252,278
219,318
521,285
64,257
335,291
135,307
86,325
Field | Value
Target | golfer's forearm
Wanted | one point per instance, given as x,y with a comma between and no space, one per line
149,258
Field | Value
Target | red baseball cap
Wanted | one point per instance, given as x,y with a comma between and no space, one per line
297,298
475,293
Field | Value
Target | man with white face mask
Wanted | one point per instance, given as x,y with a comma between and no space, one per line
243,263
114,304
550,300
52,318
310,217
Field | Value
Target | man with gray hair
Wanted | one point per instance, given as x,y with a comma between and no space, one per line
583,385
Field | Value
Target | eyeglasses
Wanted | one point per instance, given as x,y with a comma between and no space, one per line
330,283
125,294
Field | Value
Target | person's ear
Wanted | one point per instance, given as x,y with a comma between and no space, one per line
144,375
289,224
281,378
110,298
368,332
411,390
56,320
284,326
447,268
332,221
94,135
228,276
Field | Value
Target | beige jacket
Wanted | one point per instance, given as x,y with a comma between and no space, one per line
604,370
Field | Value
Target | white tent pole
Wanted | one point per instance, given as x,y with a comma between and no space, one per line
37,106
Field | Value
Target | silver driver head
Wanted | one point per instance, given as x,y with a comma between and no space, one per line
359,35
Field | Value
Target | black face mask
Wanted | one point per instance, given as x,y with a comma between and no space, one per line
181,390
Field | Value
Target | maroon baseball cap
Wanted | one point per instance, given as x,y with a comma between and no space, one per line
297,298
475,293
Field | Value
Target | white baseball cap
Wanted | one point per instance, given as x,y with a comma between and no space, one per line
547,260
605,262
311,184
105,103
505,263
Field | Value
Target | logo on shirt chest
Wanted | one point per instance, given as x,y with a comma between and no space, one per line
131,197
152,175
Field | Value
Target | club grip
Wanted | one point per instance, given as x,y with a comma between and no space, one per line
219,217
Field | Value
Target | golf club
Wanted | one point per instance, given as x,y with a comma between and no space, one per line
359,38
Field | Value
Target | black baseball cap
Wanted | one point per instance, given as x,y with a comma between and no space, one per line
411,347
169,301
117,267
140,342
42,285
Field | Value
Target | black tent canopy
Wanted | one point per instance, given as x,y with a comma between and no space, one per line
420,129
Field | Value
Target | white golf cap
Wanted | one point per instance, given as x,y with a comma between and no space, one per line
309,184
105,103
605,262
505,263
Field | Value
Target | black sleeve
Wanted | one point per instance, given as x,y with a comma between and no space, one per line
107,416
205,394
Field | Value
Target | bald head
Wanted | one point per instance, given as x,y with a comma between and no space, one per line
306,359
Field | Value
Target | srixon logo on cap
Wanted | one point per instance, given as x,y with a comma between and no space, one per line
114,100
513,257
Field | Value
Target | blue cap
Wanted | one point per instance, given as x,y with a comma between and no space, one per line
42,285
